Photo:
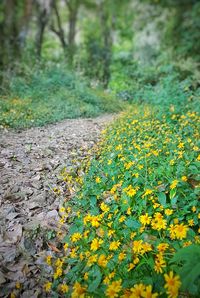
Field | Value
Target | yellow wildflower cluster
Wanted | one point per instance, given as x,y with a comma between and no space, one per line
137,207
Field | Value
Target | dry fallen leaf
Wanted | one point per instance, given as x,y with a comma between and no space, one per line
53,247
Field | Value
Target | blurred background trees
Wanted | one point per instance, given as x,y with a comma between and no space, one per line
107,41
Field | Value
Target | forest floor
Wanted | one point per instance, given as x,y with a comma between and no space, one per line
30,164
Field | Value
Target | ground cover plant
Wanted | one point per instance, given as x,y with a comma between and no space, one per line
51,95
134,224
129,225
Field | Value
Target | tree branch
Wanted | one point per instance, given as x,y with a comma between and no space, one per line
60,31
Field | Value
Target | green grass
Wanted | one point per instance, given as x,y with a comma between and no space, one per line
52,95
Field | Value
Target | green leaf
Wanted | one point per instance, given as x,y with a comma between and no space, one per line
97,279
133,224
189,270
174,201
162,199
93,201
172,193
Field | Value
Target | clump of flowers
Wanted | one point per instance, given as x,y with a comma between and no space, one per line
137,206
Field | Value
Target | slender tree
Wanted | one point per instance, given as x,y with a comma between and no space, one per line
44,11
106,17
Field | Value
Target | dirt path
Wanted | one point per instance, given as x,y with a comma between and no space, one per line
30,162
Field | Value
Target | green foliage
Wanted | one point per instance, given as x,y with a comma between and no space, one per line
188,267
136,208
50,95
159,84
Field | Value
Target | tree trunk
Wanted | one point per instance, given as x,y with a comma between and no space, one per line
9,36
11,31
24,24
107,43
59,32
71,35
43,18
73,7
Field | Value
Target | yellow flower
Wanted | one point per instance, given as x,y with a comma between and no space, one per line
104,207
92,260
112,274
47,286
136,261
56,190
76,237
122,218
111,232
102,261
155,152
64,288
137,246
172,231
62,209
137,290
187,243
180,231
85,276
65,246
136,175
159,263
131,266
95,244
147,192
181,145
98,179
148,293
145,219
48,260
168,212
190,222
114,245
106,280
121,256
162,247
62,220
176,220
172,284
146,247
128,165
173,184
119,147
95,221
133,234
109,217
85,234
194,209
184,178
131,192
114,288
129,211
158,222
78,290
58,273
